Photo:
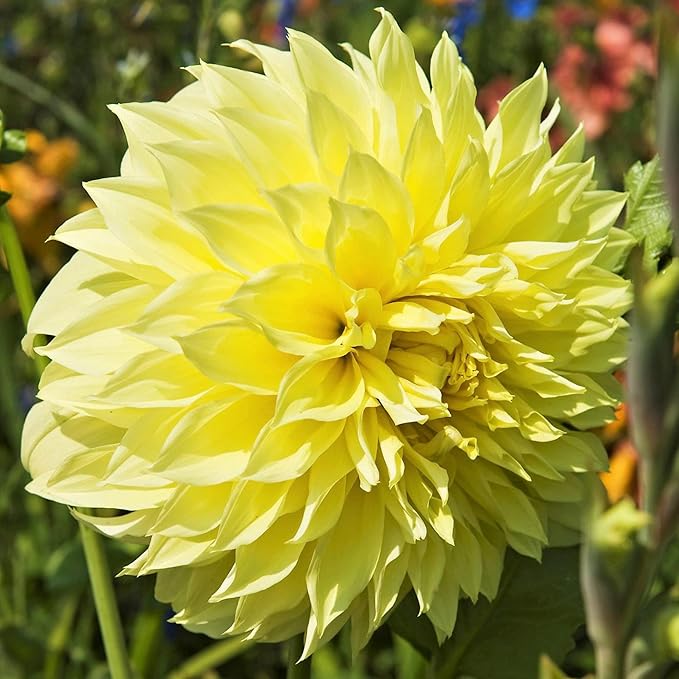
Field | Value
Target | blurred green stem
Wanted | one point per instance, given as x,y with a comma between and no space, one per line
104,602
610,663
209,658
9,240
59,639
207,20
68,113
97,566
297,670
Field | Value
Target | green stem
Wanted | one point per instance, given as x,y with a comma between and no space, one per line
211,657
59,638
68,113
105,603
297,670
610,663
21,279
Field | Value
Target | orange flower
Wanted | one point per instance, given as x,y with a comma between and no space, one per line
621,478
36,185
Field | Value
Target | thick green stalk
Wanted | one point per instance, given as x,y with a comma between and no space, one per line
9,240
610,663
297,670
105,603
97,566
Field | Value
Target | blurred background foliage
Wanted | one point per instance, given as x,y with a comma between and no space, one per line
61,63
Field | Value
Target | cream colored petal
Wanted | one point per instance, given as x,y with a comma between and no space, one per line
88,233
137,212
238,354
278,150
227,86
367,184
515,130
346,559
246,238
320,72
325,390
211,444
360,247
298,307
184,307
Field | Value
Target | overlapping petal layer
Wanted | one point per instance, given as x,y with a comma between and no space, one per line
329,339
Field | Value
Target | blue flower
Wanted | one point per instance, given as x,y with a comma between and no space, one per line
521,9
286,14
468,13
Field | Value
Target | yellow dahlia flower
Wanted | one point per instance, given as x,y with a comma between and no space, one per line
328,339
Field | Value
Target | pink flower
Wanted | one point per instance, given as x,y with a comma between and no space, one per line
595,85
489,96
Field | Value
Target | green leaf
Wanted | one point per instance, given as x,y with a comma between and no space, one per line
13,146
648,215
548,670
418,631
536,611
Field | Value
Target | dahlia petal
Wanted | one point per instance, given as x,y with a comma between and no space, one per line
85,281
389,574
471,185
367,184
455,96
88,233
553,203
276,148
595,212
132,526
191,511
263,563
360,247
361,434
279,66
323,513
398,73
227,86
252,508
287,451
305,211
47,429
515,130
137,213
221,434
425,570
333,134
346,559
442,611
381,383
261,372
183,307
320,72
199,164
424,172
154,379
247,239
299,308
255,610
90,345
310,386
